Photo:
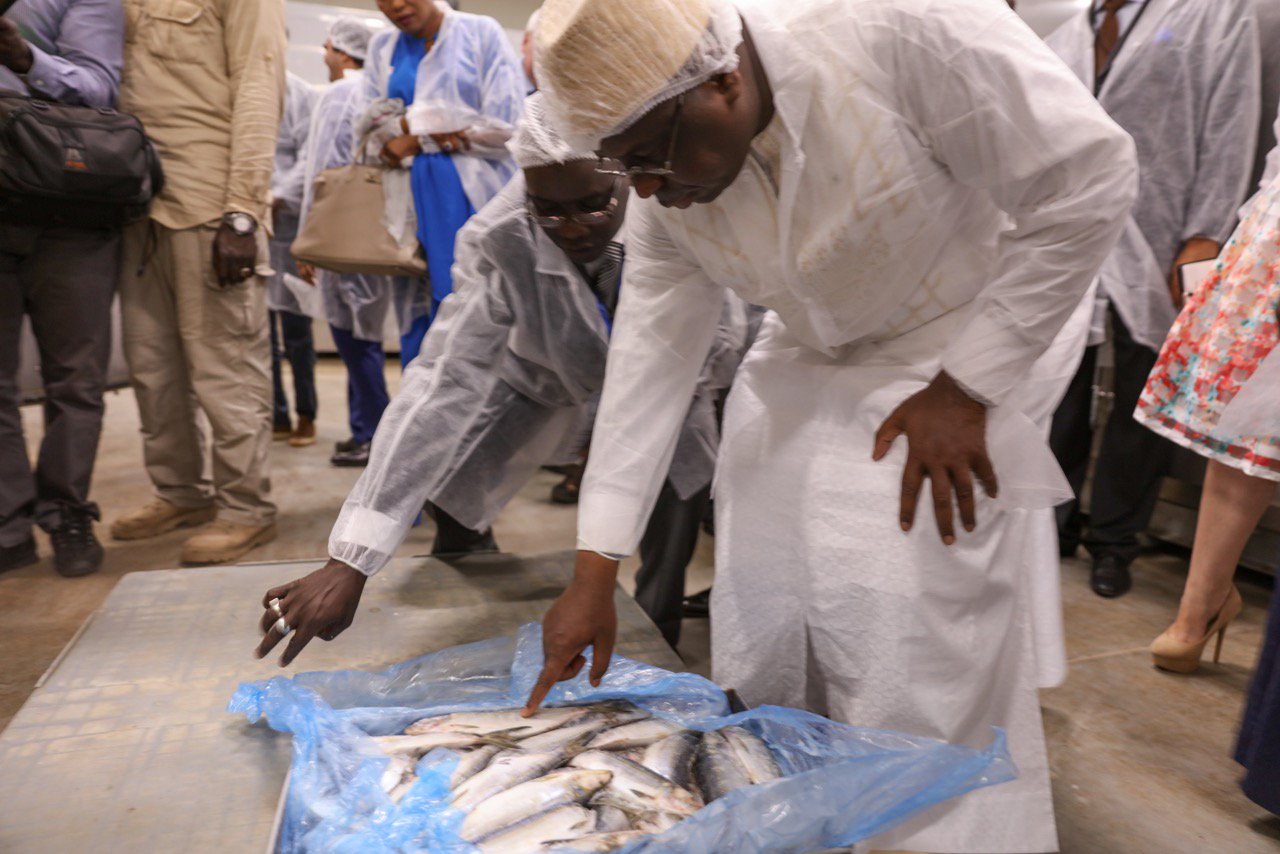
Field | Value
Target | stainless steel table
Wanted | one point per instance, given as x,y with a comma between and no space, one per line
125,744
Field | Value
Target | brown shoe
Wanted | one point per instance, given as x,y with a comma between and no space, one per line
281,432
304,434
158,516
223,542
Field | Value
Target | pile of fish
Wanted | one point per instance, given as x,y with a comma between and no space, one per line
576,778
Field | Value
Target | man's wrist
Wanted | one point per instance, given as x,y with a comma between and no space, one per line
243,224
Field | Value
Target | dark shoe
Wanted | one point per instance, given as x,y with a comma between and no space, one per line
566,491
76,551
1110,577
698,606
357,457
345,446
1067,548
16,557
281,431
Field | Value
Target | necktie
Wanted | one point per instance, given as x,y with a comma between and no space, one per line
1108,35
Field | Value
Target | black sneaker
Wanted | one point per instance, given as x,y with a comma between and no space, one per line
76,551
357,457
16,557
346,446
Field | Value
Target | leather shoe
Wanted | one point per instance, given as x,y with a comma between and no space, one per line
345,445
1110,577
698,606
356,457
76,551
16,557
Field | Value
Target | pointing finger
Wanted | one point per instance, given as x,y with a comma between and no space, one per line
546,680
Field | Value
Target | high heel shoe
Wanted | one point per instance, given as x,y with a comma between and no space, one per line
1179,657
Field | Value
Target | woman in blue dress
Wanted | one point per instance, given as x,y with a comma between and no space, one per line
463,87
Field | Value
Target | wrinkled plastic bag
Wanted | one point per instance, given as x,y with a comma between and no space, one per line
844,784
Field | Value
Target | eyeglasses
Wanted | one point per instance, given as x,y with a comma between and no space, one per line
652,171
587,218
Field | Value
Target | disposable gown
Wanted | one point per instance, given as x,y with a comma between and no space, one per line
287,183
941,194
506,370
1186,86
470,80
355,302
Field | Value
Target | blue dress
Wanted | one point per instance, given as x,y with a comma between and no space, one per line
1258,749
439,199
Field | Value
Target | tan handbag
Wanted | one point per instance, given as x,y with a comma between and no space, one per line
343,231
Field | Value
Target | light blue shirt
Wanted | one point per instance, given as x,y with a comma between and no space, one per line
1124,17
77,50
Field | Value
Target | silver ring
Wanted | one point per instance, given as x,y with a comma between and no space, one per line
282,628
274,605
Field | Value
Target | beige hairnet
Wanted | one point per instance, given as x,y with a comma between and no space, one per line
351,35
605,63
536,142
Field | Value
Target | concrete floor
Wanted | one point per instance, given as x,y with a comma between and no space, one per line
1140,758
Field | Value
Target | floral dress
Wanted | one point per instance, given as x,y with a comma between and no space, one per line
1225,332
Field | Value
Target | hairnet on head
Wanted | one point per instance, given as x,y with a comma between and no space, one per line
537,143
351,35
605,63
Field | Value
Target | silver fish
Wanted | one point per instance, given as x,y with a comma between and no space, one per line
416,745
635,788
673,757
588,725
654,823
594,842
753,754
534,833
639,734
508,722
472,762
402,788
507,769
610,819
716,768
398,767
559,788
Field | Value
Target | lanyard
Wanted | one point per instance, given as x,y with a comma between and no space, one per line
1101,79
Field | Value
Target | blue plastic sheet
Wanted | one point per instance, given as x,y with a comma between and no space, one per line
844,784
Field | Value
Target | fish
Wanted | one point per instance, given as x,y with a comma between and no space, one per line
506,722
716,768
636,789
653,823
594,842
561,787
398,767
559,825
753,754
673,757
638,734
588,725
507,769
472,762
402,788
416,745
610,819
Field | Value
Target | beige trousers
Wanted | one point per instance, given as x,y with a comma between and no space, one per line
193,346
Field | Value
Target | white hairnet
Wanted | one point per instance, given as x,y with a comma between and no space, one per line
605,63
537,143
351,35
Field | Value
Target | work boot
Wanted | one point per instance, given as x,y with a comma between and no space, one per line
304,434
224,542
16,557
157,517
76,551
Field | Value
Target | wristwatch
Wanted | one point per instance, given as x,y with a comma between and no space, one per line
241,223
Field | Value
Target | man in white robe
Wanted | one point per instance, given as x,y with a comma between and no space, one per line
1182,77
922,193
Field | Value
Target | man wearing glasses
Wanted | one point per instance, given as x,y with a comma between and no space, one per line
922,193
505,377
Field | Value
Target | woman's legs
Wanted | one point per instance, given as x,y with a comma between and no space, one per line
1230,507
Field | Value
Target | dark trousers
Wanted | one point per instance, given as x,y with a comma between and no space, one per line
366,382
665,551
64,280
453,537
300,349
1131,460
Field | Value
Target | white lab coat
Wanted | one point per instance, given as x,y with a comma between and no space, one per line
506,372
1186,86
355,302
287,186
945,194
